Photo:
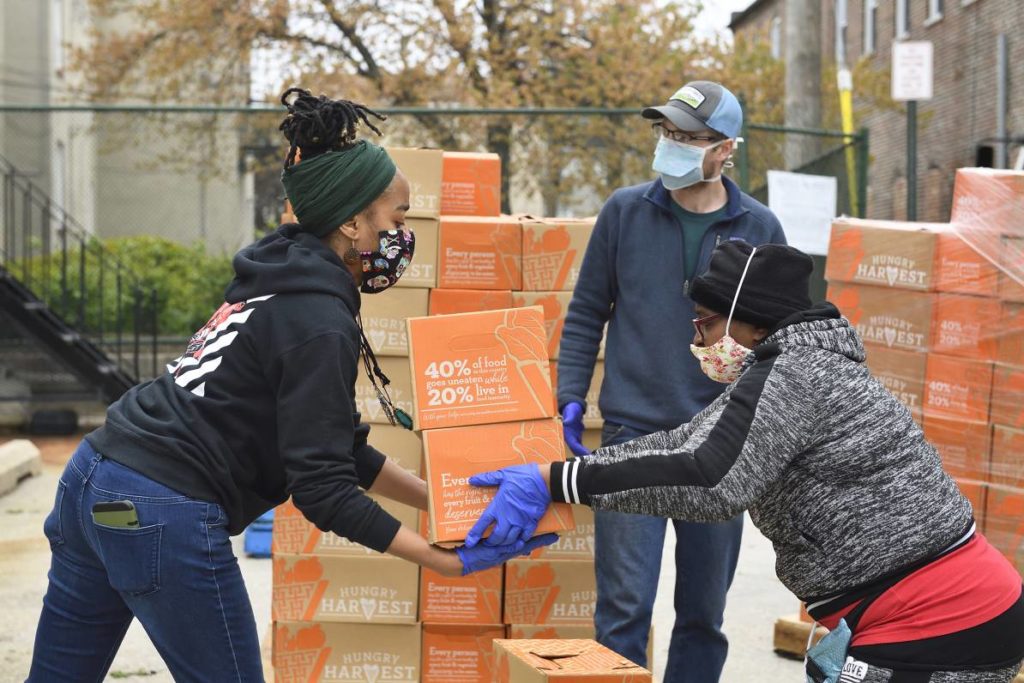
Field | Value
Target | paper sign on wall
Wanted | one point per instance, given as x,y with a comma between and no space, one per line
805,205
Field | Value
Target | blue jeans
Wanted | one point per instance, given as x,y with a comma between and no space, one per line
627,563
176,573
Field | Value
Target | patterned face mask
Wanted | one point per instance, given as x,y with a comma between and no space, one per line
723,360
383,266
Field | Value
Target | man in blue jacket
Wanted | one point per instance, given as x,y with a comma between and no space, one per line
649,243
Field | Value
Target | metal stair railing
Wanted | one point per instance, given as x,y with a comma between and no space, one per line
85,288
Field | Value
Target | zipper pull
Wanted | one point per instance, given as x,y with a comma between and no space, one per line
686,288
718,239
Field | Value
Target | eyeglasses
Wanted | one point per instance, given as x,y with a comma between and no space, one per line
681,135
700,323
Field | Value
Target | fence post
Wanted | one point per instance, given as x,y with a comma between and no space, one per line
862,172
156,324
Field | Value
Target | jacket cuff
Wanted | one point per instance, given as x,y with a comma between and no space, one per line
369,462
567,482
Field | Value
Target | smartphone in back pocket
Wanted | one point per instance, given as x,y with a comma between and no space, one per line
119,514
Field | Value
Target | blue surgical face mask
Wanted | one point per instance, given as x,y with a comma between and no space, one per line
681,165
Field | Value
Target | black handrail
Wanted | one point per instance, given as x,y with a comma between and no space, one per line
79,279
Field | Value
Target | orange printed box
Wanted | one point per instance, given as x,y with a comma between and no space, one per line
962,269
964,447
577,544
471,184
478,252
454,653
368,404
901,372
989,200
1008,456
893,318
451,301
550,592
569,632
1008,395
566,661
293,534
1011,335
553,250
346,653
472,599
1011,267
592,419
345,589
384,315
884,253
454,455
555,306
423,169
958,388
1004,522
967,326
480,368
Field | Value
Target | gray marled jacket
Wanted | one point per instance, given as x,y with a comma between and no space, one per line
831,466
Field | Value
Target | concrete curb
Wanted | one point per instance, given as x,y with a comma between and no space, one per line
19,459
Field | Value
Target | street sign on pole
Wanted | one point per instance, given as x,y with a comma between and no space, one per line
912,72
912,77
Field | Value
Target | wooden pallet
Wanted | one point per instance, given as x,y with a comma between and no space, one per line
791,638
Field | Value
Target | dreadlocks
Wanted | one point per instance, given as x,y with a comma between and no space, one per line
318,124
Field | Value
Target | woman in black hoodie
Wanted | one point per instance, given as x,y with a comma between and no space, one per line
260,406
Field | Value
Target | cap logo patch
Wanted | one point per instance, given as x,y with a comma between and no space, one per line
689,95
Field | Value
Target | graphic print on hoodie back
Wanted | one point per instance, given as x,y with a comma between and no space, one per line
206,348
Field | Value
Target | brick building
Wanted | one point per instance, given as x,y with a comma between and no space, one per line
950,126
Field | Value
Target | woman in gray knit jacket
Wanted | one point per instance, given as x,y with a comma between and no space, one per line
866,525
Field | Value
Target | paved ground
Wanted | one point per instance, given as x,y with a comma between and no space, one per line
756,599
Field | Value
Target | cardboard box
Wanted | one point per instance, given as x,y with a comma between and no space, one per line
550,592
989,200
966,326
454,455
346,653
479,368
901,372
1008,395
381,590
1004,522
454,653
553,250
472,599
384,315
293,534
591,439
883,253
592,418
577,544
471,184
423,169
975,492
480,253
450,301
367,404
962,269
575,661
893,318
1011,268
1007,456
422,272
1010,349
555,306
964,447
400,445
568,632
958,388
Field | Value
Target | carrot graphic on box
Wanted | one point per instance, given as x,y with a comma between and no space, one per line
530,593
509,250
547,258
300,658
520,335
297,588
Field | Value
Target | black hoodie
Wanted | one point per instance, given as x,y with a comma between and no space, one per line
262,403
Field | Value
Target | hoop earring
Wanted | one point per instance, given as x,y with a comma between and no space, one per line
351,257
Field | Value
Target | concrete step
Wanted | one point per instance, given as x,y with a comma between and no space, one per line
19,459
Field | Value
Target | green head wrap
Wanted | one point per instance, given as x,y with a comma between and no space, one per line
331,188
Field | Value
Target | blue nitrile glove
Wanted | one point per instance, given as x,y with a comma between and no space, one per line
486,556
521,501
572,428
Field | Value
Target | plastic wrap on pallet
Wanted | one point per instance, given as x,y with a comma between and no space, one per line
940,307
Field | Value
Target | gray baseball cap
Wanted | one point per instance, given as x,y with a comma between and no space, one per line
701,105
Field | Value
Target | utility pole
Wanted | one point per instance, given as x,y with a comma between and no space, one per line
803,80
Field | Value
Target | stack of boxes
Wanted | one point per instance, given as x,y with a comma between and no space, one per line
338,606
942,318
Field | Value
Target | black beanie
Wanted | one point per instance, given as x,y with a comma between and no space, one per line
775,288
